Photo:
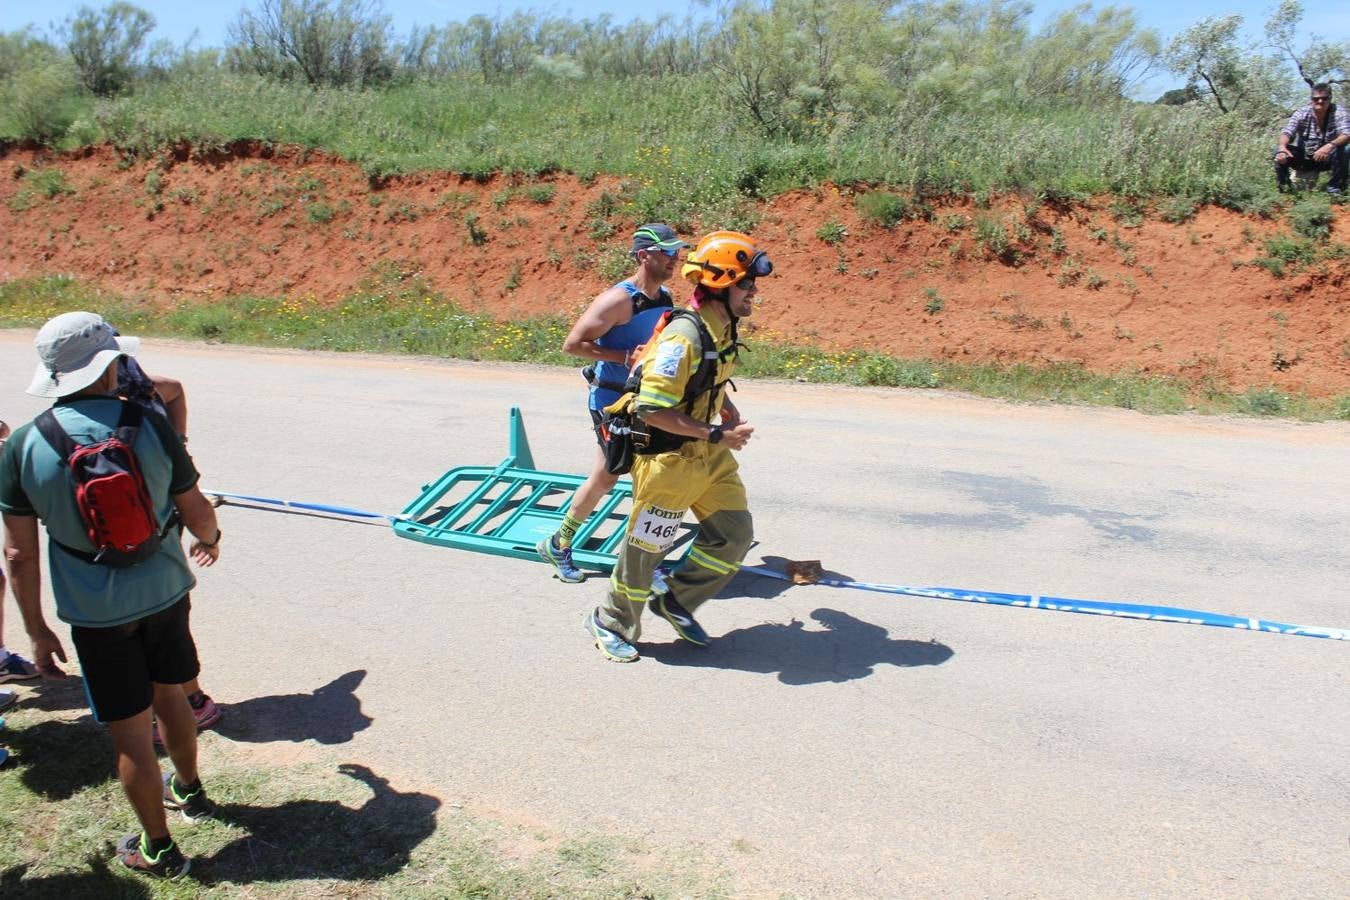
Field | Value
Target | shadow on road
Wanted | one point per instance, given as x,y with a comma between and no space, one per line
846,649
363,844
330,715
1008,504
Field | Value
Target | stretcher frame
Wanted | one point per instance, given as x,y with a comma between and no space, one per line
508,509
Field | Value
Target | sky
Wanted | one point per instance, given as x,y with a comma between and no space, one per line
177,21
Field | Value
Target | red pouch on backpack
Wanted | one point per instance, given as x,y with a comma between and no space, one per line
110,491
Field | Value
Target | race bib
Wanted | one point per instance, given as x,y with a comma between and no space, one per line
654,529
668,356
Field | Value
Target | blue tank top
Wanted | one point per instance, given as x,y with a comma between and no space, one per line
610,376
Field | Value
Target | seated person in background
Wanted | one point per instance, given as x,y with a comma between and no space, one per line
1314,141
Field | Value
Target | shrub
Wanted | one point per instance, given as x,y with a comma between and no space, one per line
1177,210
935,301
1128,211
1266,401
882,207
39,102
1286,251
832,232
1342,410
993,237
615,263
1312,218
319,212
477,236
887,371
541,193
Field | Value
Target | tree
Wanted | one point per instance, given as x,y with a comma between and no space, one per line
38,87
1320,62
1179,96
106,45
1235,78
788,63
342,44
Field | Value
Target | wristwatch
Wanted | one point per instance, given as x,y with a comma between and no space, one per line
715,434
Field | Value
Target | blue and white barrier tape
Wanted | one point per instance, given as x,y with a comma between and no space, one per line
995,598
1087,607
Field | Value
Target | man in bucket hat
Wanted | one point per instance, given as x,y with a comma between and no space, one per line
128,621
620,319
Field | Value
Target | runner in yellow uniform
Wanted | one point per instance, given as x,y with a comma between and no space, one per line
688,464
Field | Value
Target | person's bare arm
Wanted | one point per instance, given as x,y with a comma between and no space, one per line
22,559
676,422
170,390
199,517
612,307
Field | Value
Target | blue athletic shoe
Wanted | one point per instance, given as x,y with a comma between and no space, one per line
609,643
16,668
561,559
680,619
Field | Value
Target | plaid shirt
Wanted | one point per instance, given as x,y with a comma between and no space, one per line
1304,131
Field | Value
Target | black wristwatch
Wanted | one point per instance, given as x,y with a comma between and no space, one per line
715,434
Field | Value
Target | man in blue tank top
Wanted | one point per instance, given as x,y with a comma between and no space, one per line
618,320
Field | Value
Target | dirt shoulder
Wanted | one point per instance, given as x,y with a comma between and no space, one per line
1013,282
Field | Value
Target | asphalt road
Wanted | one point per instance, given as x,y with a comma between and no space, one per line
832,742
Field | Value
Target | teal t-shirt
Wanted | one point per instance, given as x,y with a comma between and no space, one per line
34,482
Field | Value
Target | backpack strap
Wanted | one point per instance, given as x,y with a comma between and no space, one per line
641,302
55,435
128,424
701,382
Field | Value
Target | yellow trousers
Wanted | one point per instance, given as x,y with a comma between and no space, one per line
701,477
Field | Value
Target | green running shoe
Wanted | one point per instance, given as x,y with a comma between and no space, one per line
169,863
194,805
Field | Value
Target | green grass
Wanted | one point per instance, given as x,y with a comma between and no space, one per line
316,829
398,312
678,171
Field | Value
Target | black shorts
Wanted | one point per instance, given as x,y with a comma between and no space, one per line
596,419
122,664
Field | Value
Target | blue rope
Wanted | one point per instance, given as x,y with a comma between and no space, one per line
994,598
308,507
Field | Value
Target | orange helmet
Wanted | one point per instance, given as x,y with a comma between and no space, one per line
723,258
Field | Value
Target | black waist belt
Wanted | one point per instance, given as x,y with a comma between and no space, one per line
169,526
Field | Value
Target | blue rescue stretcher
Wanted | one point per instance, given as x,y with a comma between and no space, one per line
508,509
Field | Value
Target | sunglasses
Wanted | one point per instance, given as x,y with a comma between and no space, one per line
1321,99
